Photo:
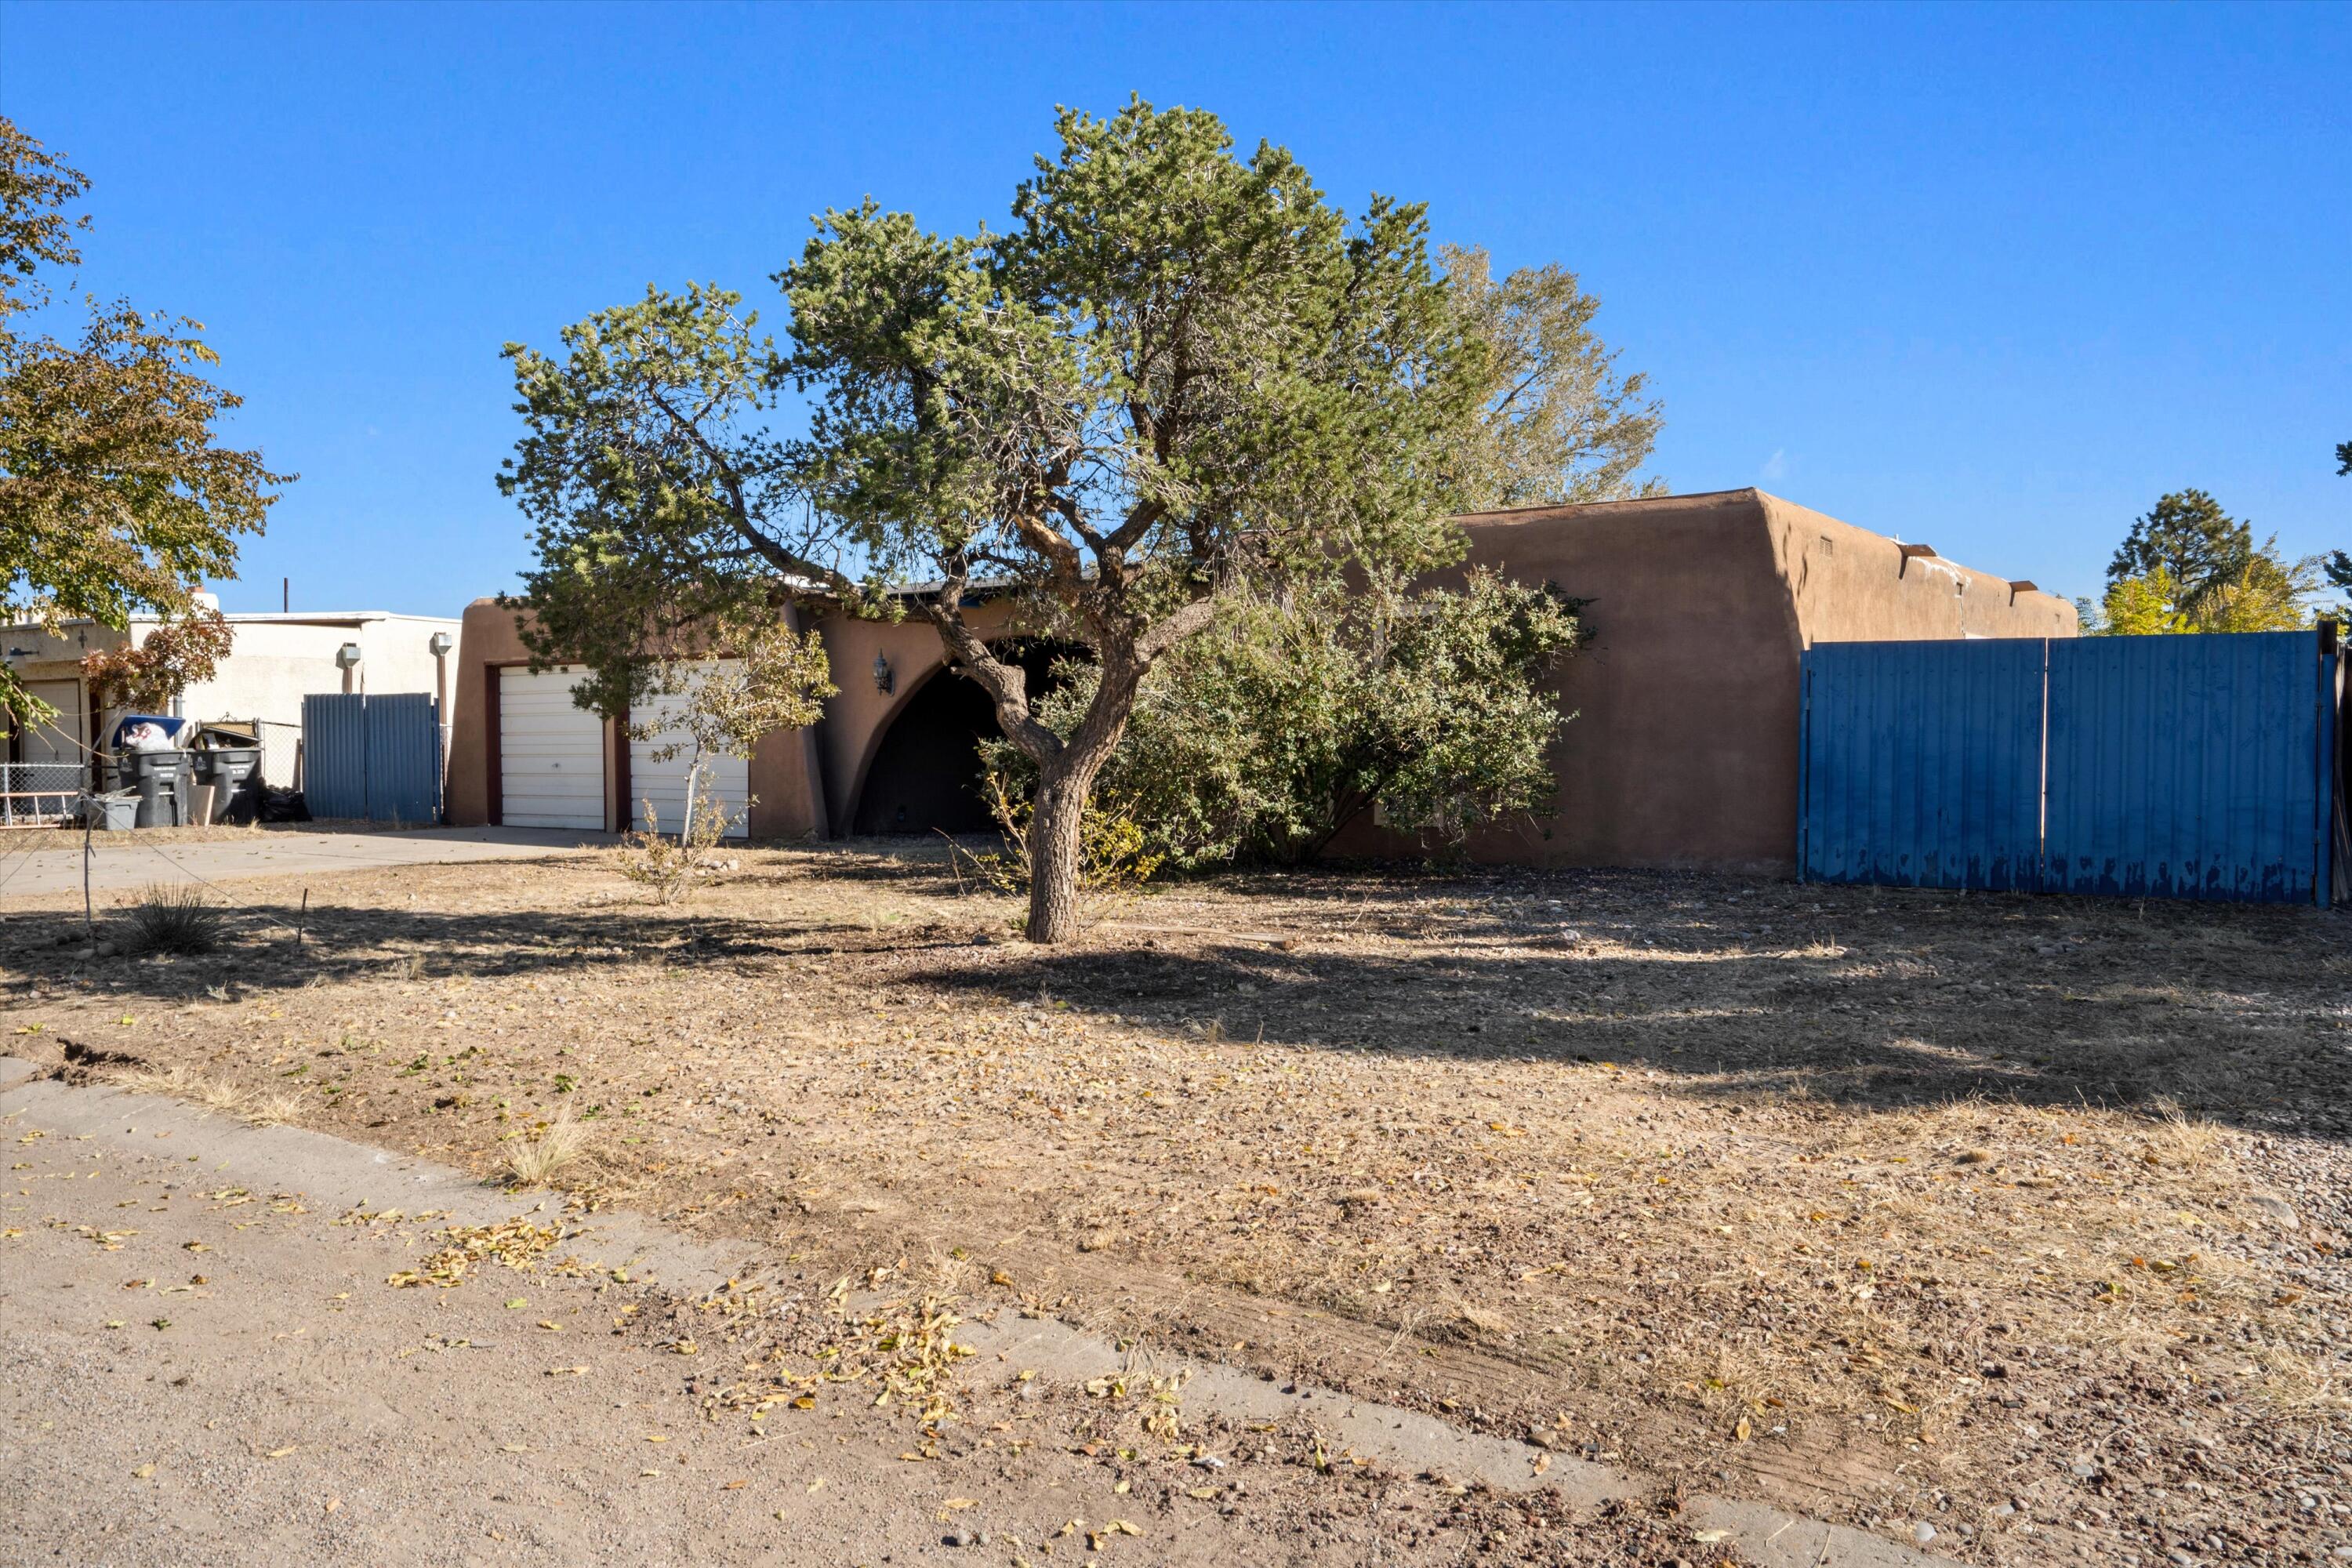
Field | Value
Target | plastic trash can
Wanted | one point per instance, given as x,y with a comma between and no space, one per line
117,813
234,773
163,778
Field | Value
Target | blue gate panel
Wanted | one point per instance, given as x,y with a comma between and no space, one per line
335,755
404,758
2187,767
1921,764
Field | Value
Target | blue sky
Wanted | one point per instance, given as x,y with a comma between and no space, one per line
1993,278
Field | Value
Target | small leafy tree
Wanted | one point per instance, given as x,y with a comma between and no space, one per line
173,657
116,500
1266,736
1179,381
770,677
2188,566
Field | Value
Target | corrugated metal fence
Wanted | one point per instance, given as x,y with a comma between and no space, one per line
2198,767
373,758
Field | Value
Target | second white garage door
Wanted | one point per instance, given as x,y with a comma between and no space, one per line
663,782
551,753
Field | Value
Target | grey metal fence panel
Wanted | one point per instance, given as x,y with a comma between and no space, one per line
2190,767
404,733
335,753
377,759
2185,767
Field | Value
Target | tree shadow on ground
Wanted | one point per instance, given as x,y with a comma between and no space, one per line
1866,998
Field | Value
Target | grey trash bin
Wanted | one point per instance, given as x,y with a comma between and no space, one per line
113,813
162,779
234,773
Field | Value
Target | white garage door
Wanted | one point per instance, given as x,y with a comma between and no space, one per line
663,782
551,753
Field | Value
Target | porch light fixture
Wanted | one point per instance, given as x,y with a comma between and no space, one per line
883,680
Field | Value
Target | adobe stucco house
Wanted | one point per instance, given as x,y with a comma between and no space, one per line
1683,753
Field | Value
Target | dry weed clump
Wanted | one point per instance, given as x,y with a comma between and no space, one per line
173,917
536,1158
673,864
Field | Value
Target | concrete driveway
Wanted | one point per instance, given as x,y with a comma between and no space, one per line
126,862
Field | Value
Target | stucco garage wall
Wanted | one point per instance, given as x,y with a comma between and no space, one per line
493,638
803,783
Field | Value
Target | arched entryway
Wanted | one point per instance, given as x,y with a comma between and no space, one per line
924,775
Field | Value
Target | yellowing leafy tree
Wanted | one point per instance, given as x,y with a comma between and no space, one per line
116,499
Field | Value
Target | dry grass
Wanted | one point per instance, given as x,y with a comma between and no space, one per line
535,1159
1652,1156
2182,1141
257,1107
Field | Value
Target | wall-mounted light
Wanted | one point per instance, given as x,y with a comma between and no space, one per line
883,680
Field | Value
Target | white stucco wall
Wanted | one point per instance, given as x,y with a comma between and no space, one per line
275,662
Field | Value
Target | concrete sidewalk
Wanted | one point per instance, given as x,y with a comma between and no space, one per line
202,1360
117,865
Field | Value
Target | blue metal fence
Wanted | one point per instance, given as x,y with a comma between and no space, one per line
1923,764
2165,766
373,758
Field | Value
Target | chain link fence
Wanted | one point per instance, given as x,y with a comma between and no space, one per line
41,795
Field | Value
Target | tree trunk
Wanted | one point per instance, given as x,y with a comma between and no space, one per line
1054,858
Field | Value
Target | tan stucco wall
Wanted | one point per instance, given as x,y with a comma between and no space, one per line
1684,750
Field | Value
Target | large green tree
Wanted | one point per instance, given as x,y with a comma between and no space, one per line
1181,379
117,498
2186,566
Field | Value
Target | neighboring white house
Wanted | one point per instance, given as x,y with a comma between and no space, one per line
274,661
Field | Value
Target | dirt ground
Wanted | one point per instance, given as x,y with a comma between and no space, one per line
193,1371
2020,1220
